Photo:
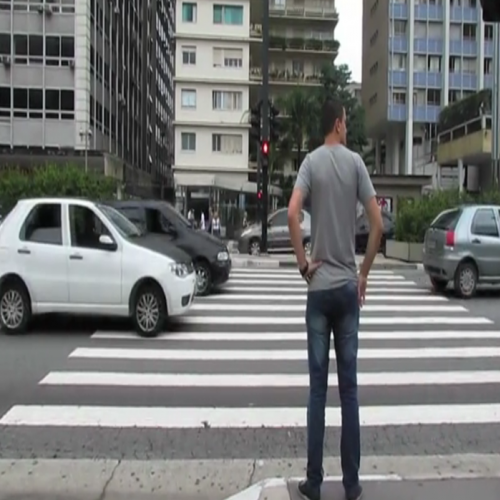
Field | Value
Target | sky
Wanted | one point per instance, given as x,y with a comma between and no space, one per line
348,33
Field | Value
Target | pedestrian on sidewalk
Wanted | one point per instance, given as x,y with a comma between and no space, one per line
334,179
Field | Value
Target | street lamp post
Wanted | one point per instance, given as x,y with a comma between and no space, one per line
86,134
495,105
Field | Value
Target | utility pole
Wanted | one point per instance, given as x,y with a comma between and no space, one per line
265,122
495,105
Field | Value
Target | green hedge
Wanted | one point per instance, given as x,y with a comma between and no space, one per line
52,181
415,216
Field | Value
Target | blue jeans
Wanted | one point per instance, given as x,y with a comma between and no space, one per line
334,310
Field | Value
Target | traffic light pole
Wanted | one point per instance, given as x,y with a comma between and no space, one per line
265,121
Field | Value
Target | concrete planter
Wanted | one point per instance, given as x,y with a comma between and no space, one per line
402,250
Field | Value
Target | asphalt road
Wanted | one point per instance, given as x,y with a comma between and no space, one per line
126,425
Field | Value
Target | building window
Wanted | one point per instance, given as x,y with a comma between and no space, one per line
228,58
5,101
188,141
399,97
189,12
228,14
433,97
188,98
469,31
230,144
227,101
189,55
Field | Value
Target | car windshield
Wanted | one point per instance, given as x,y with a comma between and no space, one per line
120,222
172,213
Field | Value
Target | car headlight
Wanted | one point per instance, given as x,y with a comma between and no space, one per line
180,270
246,232
223,256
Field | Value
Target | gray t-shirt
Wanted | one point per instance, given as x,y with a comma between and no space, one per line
334,179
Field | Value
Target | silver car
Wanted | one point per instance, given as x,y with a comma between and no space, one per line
462,245
278,236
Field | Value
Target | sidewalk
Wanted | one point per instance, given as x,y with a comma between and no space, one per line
275,261
383,488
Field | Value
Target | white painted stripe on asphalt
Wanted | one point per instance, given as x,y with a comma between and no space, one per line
300,282
300,336
240,418
405,308
247,270
303,297
232,380
299,320
279,355
371,289
296,276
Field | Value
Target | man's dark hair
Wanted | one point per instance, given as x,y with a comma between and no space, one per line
331,111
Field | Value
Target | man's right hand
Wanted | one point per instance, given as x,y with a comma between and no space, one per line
362,282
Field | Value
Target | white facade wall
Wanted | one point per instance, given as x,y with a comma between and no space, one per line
216,47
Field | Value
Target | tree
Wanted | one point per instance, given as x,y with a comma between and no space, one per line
52,181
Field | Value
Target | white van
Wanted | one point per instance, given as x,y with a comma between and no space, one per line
78,257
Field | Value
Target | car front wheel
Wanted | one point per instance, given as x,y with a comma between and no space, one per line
203,278
150,311
15,309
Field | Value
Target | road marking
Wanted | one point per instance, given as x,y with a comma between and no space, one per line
294,272
392,280
303,297
299,336
395,288
279,355
232,380
240,418
299,320
296,276
405,308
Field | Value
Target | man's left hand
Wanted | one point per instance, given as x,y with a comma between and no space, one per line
311,269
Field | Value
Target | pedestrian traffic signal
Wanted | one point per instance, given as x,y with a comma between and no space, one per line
274,126
265,148
259,194
491,11
255,121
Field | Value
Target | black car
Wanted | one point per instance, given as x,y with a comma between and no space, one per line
210,255
363,231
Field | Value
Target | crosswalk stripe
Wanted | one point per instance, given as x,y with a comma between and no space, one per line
300,336
118,379
364,320
283,271
297,277
409,308
293,298
394,288
254,418
278,355
395,280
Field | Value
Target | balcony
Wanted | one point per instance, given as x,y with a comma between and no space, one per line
318,11
303,44
256,31
286,77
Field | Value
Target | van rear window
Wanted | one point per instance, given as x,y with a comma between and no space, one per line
447,220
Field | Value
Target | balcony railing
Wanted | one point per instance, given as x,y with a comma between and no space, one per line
311,12
285,76
306,44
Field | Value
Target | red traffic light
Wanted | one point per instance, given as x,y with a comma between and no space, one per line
259,194
265,148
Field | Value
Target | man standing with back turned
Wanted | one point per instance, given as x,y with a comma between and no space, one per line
334,179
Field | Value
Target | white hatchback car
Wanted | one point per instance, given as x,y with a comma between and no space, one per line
74,256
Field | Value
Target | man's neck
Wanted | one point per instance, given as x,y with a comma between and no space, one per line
332,140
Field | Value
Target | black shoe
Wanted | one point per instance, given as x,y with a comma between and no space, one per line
308,492
355,494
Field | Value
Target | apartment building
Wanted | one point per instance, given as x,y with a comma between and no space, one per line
419,56
218,77
94,76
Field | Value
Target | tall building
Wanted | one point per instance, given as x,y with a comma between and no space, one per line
94,76
419,56
218,77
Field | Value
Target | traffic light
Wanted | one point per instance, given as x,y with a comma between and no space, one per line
491,11
265,148
259,194
274,126
255,121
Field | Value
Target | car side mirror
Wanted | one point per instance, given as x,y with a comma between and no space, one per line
107,242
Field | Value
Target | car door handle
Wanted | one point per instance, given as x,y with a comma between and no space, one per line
476,241
24,251
76,257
